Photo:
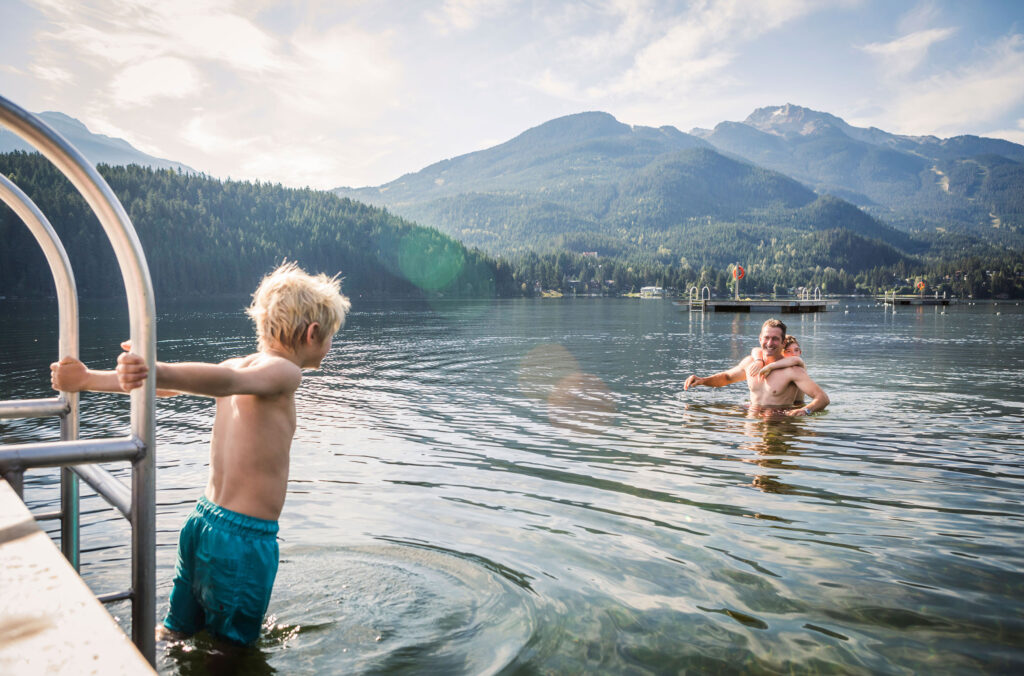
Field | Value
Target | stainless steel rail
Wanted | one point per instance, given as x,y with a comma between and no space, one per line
140,447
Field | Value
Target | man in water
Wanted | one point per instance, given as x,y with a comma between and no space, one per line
776,391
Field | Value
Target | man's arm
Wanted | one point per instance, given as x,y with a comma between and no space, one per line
819,399
733,375
267,378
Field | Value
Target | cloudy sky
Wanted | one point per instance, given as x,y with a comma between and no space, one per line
326,93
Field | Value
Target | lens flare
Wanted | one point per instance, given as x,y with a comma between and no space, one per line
574,399
428,261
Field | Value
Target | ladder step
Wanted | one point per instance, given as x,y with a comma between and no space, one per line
108,486
60,453
34,408
115,596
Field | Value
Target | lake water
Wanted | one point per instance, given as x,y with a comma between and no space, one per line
522,486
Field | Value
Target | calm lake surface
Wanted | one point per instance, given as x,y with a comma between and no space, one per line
522,486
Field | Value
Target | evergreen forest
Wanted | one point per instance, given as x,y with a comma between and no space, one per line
204,237
207,237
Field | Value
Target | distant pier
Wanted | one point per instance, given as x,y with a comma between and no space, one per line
776,305
913,299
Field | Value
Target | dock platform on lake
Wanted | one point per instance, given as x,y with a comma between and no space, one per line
914,299
50,621
776,305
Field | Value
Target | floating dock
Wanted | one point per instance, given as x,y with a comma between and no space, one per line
776,305
913,300
50,621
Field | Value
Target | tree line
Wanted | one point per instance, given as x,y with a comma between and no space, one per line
203,236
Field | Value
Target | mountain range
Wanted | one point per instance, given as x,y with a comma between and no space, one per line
97,148
966,182
786,178
589,182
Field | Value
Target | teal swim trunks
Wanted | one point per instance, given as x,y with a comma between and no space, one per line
226,567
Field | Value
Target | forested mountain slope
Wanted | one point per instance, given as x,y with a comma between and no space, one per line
590,183
202,236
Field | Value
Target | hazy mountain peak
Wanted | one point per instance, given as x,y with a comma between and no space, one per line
97,148
576,127
793,119
53,116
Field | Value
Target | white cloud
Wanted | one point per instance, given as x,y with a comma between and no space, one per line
120,32
163,78
669,55
631,22
919,17
52,74
225,38
343,72
1016,135
953,102
903,55
217,89
550,84
463,15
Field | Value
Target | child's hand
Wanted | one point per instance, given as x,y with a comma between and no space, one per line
768,368
68,375
754,370
131,369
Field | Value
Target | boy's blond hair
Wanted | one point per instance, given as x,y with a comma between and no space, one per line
288,300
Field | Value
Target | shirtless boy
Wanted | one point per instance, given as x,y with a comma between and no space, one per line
227,549
774,389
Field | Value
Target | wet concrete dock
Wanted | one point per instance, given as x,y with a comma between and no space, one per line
50,621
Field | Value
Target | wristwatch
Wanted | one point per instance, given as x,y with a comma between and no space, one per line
807,410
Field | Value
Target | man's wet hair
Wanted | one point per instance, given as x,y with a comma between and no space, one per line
774,323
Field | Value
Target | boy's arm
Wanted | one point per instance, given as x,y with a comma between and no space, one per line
756,362
785,362
267,378
71,375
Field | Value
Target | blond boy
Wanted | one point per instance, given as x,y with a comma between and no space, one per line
227,549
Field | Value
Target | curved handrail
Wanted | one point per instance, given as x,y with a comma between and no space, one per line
67,309
142,319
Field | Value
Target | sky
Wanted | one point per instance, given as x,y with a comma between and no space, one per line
328,93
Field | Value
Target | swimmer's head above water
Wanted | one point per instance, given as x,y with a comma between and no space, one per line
790,348
773,332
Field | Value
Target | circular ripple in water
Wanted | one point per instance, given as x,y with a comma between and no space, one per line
384,608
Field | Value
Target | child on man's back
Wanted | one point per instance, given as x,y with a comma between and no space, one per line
227,549
792,355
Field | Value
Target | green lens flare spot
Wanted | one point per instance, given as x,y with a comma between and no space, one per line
429,262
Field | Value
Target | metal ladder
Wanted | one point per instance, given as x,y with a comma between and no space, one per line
698,299
77,457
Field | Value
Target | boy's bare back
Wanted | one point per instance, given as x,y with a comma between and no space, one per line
251,440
